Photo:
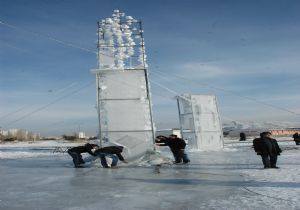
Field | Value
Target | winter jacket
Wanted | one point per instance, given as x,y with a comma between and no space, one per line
296,137
117,150
174,144
83,149
266,146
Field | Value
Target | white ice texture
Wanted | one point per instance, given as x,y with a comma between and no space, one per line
118,39
200,122
232,178
125,110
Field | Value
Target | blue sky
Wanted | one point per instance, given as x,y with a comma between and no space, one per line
249,47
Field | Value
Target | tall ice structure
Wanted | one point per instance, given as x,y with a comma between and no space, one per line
199,121
123,92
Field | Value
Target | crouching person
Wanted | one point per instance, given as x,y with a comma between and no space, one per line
113,152
76,152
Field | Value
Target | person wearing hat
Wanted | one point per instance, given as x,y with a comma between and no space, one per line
113,152
76,152
268,149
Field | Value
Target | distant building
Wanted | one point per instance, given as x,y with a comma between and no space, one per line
19,134
13,132
81,135
3,132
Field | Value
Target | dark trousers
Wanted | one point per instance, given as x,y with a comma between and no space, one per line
273,160
77,158
180,156
269,161
185,158
104,162
266,161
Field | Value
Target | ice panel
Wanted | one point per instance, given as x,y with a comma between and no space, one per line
118,84
203,120
125,110
135,143
125,115
209,140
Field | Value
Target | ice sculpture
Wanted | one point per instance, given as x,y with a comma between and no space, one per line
200,122
123,90
120,43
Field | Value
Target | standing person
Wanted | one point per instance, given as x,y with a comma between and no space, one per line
268,149
296,138
75,153
242,136
113,152
177,146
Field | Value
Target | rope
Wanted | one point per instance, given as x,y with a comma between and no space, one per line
161,74
51,38
47,105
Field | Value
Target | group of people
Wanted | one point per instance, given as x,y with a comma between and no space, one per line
177,147
113,152
265,146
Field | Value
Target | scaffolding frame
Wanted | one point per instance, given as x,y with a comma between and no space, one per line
102,51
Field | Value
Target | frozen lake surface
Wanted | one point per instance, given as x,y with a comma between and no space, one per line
229,179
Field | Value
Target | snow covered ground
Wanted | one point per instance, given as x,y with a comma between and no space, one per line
35,177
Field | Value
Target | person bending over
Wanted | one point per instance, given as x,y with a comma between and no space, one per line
76,152
113,152
177,146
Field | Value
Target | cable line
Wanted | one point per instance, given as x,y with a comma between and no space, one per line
47,105
51,38
13,112
61,90
161,74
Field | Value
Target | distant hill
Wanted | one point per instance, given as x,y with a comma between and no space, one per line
233,128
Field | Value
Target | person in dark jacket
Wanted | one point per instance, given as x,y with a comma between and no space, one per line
242,136
113,152
268,149
296,138
75,153
177,146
